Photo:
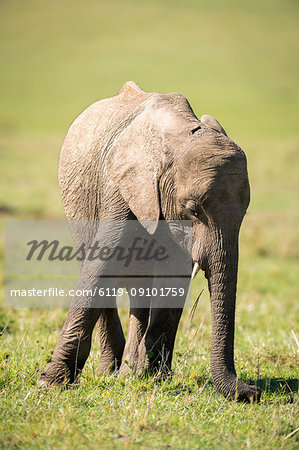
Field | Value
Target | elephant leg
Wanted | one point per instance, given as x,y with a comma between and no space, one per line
112,340
72,348
156,347
138,323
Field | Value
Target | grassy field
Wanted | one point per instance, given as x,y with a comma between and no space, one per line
237,61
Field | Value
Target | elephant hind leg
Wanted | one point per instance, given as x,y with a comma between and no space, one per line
72,348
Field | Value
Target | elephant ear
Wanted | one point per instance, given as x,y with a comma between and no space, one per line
212,123
131,89
133,165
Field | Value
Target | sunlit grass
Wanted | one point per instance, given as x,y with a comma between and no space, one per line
235,61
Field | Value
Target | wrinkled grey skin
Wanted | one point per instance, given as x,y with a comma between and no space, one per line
147,156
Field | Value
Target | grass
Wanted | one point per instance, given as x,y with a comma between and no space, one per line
235,62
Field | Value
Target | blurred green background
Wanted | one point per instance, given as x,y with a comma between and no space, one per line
237,61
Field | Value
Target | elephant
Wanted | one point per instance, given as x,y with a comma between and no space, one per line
146,157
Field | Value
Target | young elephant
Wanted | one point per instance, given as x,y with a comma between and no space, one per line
145,156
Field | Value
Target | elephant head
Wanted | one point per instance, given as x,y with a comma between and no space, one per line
169,165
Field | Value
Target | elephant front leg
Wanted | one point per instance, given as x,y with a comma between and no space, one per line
138,323
112,340
72,348
156,347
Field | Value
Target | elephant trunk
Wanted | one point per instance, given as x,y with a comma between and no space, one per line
222,280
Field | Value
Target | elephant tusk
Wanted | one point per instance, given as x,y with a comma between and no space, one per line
195,270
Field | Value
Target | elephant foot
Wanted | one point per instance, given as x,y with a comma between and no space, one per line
147,364
144,371
154,358
56,375
108,365
150,358
128,366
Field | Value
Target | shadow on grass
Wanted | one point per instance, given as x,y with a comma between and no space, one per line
283,386
286,387
278,385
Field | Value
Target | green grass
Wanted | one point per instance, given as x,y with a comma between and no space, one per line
237,61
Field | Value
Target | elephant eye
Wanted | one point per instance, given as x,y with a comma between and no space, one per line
193,211
196,129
